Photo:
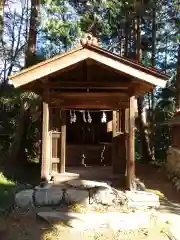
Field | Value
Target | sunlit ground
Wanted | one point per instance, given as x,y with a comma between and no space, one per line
26,226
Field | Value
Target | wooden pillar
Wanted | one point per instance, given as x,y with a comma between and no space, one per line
131,149
118,144
45,138
114,124
63,142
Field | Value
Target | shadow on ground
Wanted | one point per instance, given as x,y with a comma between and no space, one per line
155,178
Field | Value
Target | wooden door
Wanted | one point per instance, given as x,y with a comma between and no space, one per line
57,141
55,138
119,142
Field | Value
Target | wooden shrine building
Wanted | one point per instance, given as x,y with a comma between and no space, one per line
78,88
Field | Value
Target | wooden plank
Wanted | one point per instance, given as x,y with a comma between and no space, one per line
123,120
89,84
90,95
63,142
109,126
56,134
89,105
88,71
118,145
130,152
45,138
55,160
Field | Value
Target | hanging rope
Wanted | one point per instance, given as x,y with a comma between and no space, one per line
84,116
89,118
104,118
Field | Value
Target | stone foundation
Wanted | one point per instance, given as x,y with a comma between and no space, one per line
173,166
89,194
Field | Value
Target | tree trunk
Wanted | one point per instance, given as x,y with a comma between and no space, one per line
16,159
144,138
178,82
2,2
153,61
17,152
30,58
126,34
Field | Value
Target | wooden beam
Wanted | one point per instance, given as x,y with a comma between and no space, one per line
63,142
131,138
89,105
89,95
102,100
45,137
89,84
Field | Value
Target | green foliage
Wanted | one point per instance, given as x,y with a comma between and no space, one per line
6,192
163,112
11,100
60,28
9,105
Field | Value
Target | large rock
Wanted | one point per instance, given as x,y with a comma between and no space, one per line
102,195
24,199
49,195
78,196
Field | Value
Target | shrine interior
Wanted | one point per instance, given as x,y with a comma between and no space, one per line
88,138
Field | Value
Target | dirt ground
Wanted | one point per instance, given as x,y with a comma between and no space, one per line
25,226
156,178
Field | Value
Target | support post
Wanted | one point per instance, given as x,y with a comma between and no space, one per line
118,144
114,124
63,142
131,137
45,137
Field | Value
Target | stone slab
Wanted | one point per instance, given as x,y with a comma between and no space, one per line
145,204
86,183
142,196
96,221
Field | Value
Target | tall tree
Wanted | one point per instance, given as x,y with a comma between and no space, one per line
144,137
153,63
30,56
2,2
178,82
18,150
60,28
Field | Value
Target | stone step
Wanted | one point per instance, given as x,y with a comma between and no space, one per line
145,204
96,221
141,198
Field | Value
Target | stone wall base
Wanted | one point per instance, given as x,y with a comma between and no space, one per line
173,166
